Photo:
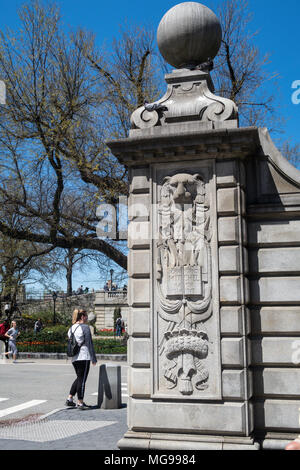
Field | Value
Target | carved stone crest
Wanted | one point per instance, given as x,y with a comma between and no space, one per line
184,280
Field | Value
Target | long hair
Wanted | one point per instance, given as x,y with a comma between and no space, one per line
77,315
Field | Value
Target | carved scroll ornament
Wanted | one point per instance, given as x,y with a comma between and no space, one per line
188,98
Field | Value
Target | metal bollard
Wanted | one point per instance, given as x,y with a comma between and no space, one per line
109,387
3,358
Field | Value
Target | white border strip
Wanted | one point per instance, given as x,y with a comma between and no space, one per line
23,406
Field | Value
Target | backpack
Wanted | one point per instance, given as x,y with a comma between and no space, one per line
119,321
73,347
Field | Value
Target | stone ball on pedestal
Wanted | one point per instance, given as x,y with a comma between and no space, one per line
188,35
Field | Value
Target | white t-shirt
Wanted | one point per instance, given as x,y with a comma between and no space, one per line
83,354
14,333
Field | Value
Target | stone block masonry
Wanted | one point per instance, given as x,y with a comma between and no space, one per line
104,307
256,295
214,277
64,305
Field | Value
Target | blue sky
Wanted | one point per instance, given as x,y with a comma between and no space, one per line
277,23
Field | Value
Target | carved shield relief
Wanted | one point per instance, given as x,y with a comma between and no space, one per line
185,281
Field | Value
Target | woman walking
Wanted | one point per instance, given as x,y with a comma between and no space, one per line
81,362
12,335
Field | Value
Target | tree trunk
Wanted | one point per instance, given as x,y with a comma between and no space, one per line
69,267
69,281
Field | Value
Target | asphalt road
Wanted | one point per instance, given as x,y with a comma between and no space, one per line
40,386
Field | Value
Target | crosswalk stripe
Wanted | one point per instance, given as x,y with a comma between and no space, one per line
23,406
4,399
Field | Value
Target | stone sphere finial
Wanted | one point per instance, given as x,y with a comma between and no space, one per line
188,35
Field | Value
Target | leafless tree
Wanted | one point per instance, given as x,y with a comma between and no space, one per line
65,97
55,168
240,69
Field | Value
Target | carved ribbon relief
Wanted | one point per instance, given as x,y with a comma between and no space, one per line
184,283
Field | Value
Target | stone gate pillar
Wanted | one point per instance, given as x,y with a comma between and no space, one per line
189,379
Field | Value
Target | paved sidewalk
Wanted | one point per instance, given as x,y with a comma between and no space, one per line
67,429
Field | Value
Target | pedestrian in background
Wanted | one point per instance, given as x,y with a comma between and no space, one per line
81,362
119,324
4,327
38,326
12,335
7,309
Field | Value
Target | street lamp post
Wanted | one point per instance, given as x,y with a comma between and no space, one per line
54,297
111,278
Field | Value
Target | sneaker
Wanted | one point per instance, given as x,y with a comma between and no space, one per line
70,403
83,406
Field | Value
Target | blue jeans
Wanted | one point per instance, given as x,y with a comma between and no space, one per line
118,330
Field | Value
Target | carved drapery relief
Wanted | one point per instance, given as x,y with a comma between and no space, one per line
184,281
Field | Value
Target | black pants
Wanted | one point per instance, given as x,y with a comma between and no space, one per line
82,370
5,341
